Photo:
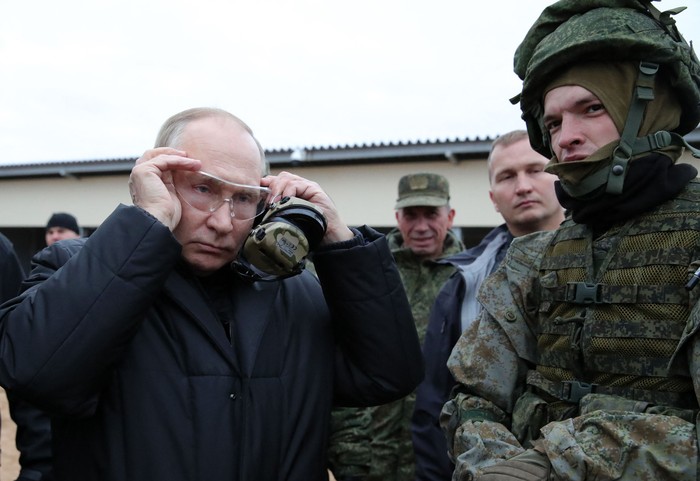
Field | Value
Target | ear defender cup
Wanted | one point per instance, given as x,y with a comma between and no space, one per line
278,246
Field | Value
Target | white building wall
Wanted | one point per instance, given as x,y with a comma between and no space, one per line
364,194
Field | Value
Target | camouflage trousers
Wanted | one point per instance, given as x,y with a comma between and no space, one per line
605,445
391,443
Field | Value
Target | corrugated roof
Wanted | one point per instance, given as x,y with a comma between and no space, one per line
454,150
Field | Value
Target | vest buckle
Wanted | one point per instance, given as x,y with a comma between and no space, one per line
573,391
583,293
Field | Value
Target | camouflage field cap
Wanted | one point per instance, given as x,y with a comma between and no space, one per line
423,189
570,31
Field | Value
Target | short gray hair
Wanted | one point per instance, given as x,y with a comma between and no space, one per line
170,132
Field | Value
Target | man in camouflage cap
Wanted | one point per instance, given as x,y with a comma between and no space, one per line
423,189
424,218
585,360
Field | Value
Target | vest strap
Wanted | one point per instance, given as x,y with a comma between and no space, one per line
587,293
573,390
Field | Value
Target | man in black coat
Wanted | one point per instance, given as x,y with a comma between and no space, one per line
158,361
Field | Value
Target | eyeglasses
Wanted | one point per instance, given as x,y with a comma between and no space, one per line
206,192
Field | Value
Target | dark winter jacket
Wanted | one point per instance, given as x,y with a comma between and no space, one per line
124,349
33,437
11,273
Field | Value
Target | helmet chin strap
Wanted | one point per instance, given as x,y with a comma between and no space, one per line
643,94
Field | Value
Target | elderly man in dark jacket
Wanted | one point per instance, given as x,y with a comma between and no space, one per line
157,361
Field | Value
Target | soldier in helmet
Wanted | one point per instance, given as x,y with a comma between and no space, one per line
585,360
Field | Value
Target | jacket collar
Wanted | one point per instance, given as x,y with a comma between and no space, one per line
253,308
183,290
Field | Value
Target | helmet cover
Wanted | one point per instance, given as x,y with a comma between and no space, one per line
603,30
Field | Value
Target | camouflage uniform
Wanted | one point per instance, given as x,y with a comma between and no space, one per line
390,447
584,363
423,279
349,455
591,340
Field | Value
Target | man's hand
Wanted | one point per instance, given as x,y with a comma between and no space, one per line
151,183
286,184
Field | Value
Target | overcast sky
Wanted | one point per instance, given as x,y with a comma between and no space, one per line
94,79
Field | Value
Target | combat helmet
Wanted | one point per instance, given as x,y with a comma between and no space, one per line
610,30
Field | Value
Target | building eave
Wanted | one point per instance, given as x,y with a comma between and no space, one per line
455,151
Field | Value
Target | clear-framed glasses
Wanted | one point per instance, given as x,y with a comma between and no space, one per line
207,193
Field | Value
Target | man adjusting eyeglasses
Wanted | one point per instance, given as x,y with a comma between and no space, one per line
207,192
158,361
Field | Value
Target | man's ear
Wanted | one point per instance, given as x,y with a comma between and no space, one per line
492,201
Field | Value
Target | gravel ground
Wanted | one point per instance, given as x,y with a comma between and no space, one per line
9,458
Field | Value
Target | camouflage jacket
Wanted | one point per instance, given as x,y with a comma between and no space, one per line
495,359
422,278
384,450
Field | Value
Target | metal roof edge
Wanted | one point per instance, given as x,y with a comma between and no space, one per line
68,169
452,150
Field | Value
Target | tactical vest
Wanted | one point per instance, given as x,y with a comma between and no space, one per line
613,309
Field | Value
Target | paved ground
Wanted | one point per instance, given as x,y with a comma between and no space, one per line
9,458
